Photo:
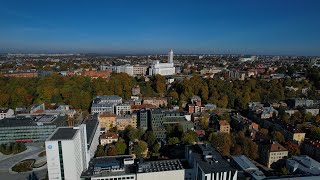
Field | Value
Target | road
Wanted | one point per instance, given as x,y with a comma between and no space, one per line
7,162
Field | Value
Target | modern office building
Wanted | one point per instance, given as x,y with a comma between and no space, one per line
124,168
66,153
69,149
143,115
163,69
207,163
29,129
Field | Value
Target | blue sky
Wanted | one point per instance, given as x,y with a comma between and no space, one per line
152,26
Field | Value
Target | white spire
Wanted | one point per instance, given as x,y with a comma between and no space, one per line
170,56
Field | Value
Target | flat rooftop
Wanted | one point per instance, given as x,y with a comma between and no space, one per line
63,134
210,165
108,166
28,121
91,128
157,166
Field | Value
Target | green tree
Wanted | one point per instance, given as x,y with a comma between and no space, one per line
173,140
189,137
156,148
100,151
150,138
140,148
121,147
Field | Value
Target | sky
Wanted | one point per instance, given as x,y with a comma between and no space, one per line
261,27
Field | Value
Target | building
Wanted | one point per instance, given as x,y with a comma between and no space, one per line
69,149
66,153
108,138
163,69
296,136
123,109
311,148
124,167
224,126
92,135
123,121
107,120
300,102
105,104
136,90
156,101
139,70
22,74
110,168
156,123
29,129
143,119
245,166
207,163
234,74
96,74
161,170
6,113
303,165
36,108
272,152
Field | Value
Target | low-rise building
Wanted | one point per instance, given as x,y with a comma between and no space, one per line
224,126
29,129
6,113
108,138
123,109
123,121
272,152
107,120
156,101
311,148
303,165
247,167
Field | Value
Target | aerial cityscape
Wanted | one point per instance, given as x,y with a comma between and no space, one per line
160,90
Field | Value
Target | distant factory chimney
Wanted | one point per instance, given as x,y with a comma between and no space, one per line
170,56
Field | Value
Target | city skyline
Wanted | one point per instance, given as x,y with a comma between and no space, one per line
188,27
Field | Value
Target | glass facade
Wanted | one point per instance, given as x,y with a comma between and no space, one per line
31,133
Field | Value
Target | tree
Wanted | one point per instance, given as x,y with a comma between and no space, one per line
112,151
278,136
140,148
264,131
121,147
189,137
100,151
150,138
293,149
173,141
156,148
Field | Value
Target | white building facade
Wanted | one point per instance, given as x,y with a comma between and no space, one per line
163,69
66,153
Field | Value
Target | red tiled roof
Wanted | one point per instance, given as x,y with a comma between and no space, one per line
275,146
